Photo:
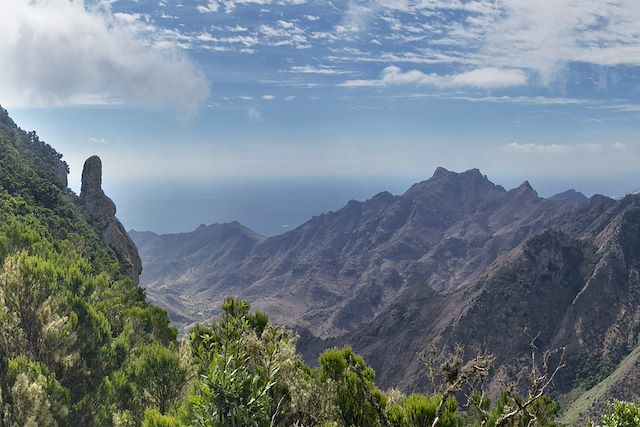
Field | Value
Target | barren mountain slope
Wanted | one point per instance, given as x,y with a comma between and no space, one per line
456,259
340,269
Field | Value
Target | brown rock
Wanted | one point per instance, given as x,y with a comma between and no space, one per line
103,211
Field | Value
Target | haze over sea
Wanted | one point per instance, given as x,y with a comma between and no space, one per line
276,205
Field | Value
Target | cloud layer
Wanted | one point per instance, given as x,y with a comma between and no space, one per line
546,45
483,78
62,52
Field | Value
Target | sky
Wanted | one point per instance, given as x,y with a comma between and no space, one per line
270,111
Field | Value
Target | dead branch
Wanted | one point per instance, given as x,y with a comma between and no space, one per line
540,378
457,375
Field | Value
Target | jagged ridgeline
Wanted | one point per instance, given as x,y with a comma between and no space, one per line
79,346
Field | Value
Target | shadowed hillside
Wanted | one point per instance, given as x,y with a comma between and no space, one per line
455,259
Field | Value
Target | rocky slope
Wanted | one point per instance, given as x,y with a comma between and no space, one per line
176,262
340,269
103,212
456,259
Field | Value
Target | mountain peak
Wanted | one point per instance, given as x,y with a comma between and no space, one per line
440,172
570,196
524,190
526,186
474,171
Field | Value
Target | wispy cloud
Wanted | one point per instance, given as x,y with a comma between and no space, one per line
230,5
210,7
320,69
541,39
485,78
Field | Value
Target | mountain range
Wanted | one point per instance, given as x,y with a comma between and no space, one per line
455,259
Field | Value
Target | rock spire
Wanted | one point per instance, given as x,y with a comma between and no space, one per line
103,211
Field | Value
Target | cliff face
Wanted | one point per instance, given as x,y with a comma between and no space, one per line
456,259
337,271
578,289
103,211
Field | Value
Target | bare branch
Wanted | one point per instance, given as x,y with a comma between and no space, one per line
541,378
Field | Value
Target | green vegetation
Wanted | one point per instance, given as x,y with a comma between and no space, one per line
79,345
580,406
621,414
75,336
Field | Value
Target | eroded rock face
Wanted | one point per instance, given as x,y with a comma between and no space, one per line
61,172
103,210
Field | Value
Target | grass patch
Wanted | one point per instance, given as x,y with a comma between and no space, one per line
586,399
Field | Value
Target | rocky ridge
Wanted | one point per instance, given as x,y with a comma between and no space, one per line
456,259
103,211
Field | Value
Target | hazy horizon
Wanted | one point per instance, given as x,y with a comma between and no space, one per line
275,206
351,97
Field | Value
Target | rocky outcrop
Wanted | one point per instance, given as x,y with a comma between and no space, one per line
570,196
337,271
61,173
580,293
456,259
103,212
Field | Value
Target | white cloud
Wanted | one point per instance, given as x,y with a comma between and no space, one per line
284,34
628,108
246,41
527,100
61,52
541,38
237,29
321,69
210,7
547,35
231,5
557,32
484,78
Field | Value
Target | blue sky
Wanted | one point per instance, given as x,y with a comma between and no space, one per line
216,90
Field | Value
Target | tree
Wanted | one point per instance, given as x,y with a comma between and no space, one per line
418,410
28,300
241,363
358,400
621,414
160,375
153,418
36,397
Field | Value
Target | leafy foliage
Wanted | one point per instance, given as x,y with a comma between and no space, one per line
622,414
79,345
72,329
